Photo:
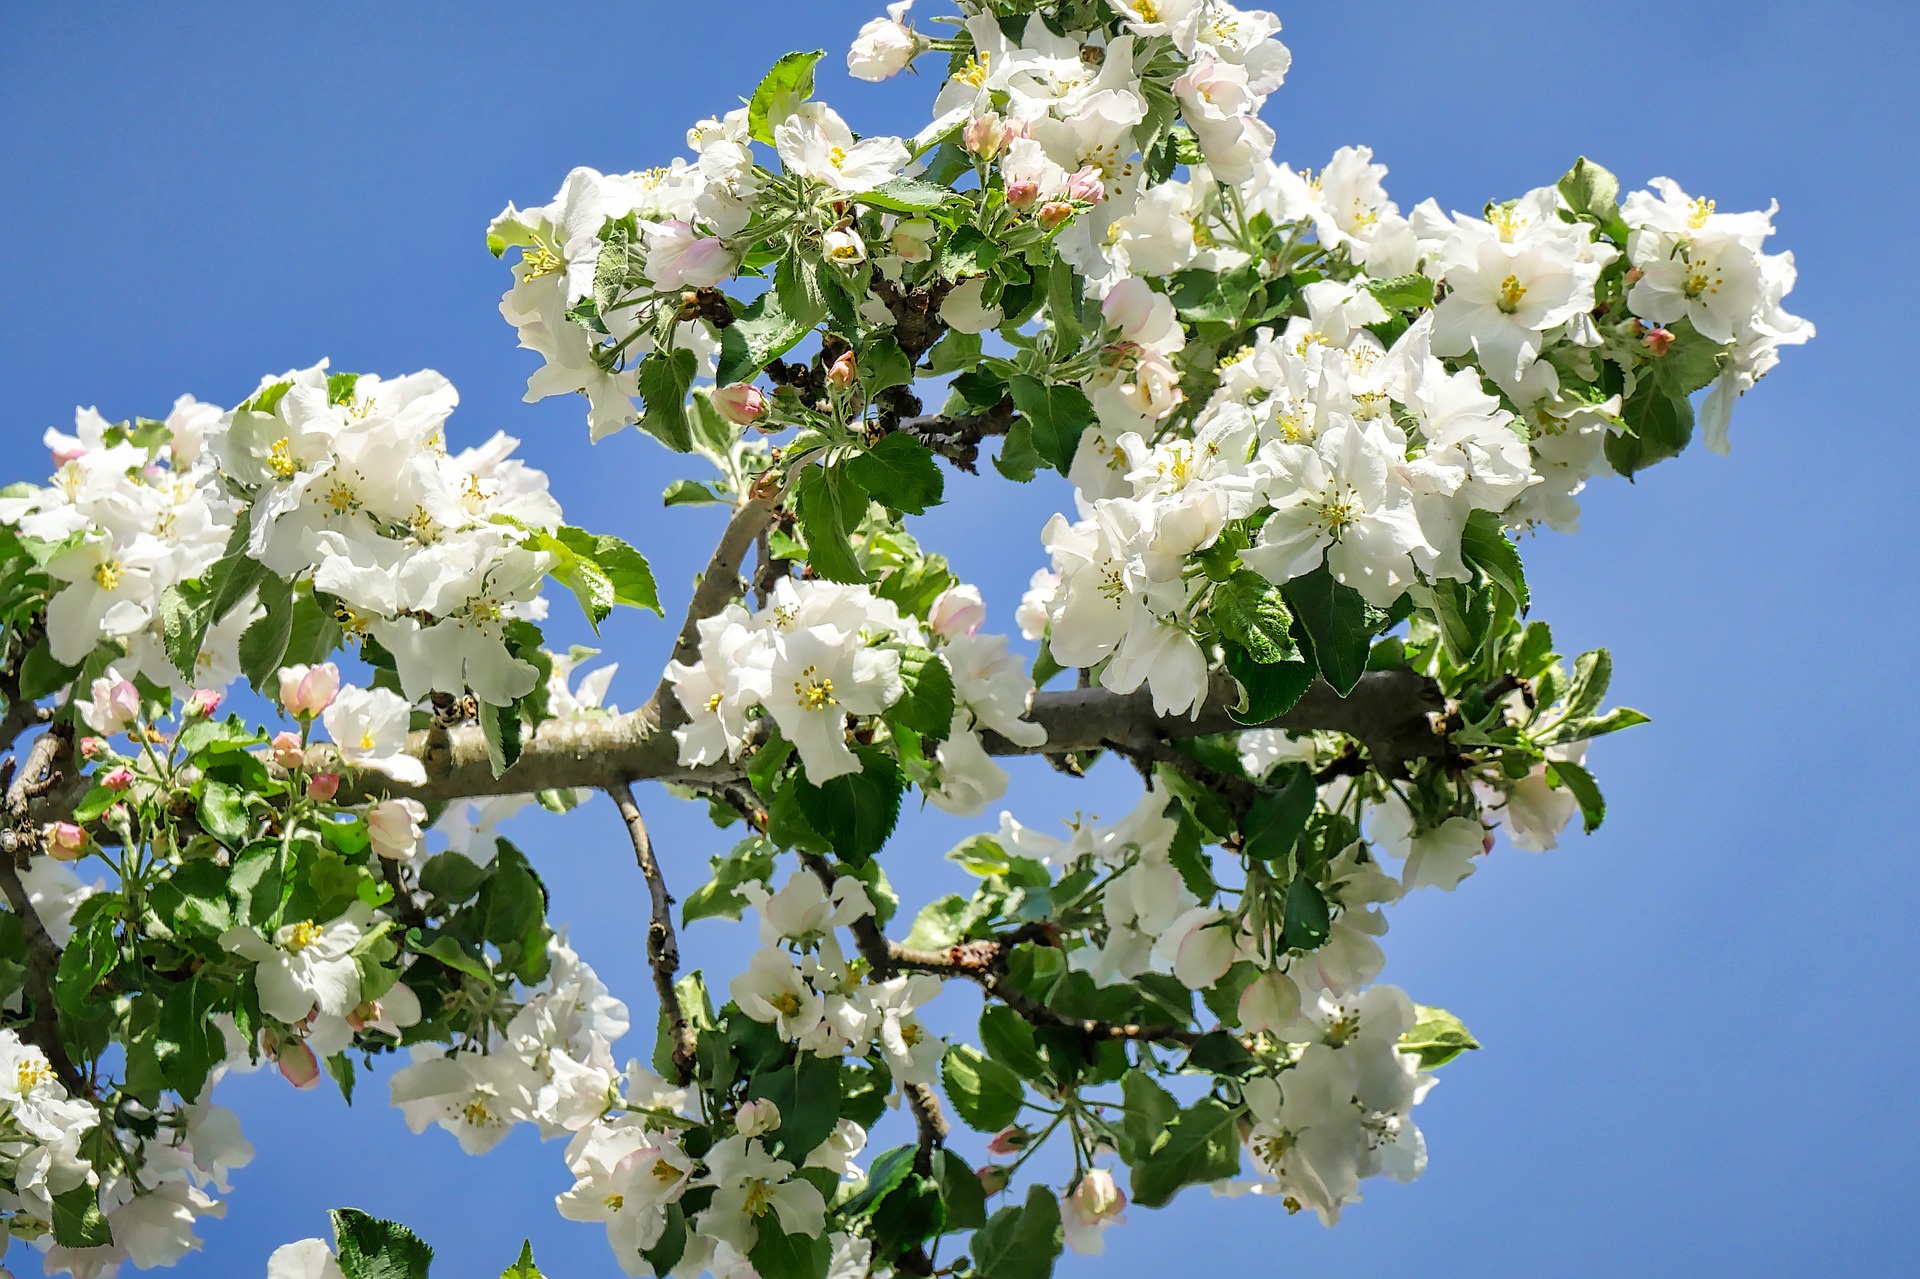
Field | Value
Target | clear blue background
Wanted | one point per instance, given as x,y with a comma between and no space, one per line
1699,1023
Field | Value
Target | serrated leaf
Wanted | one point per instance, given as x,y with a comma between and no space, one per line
524,1267
500,728
1267,691
1486,547
760,333
1020,1242
986,1094
263,645
1660,425
1201,1145
1403,292
899,472
78,1221
370,1248
1579,783
1333,620
906,195
1278,817
665,379
1057,414
1253,613
928,703
855,812
831,504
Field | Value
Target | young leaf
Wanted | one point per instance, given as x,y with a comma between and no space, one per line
856,812
1579,783
373,1249
1437,1037
1201,1145
831,504
1333,622
762,332
780,92
1486,547
1277,818
985,1093
665,378
78,1221
899,472
524,1267
1022,1242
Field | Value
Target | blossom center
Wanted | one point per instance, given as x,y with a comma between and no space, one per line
1698,212
759,1198
786,1004
813,691
538,261
341,498
837,156
280,458
107,574
302,935
31,1073
1511,291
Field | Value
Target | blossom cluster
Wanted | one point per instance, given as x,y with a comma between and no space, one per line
819,654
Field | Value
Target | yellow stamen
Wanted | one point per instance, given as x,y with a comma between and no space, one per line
1698,212
1511,291
538,260
280,458
31,1073
107,574
304,934
813,691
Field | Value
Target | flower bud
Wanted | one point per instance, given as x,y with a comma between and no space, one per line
305,691
842,373
757,1118
1269,1003
985,135
117,779
113,705
322,787
957,611
201,704
741,403
1086,184
1635,275
393,828
1022,194
285,750
64,840
1053,213
1658,340
993,1177
1009,1141
297,1063
92,748
1098,1197
883,47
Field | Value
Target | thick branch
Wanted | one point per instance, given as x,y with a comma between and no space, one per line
663,950
1391,713
39,772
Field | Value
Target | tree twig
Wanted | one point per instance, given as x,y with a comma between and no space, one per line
663,950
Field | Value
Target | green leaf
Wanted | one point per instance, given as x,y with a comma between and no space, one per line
761,333
688,493
665,379
1057,414
373,1249
1253,613
831,504
928,703
1403,292
1022,1242
1306,919
1486,547
750,861
500,729
855,812
888,1170
1612,722
779,1255
186,610
1691,362
1660,423
960,1189
1592,191
807,1093
1266,691
1278,817
222,810
263,645
967,252
524,1267
1437,1037
906,195
1018,459
1008,1039
911,1215
985,1093
1592,676
1579,783
601,570
1333,621
78,1221
900,473
801,287
90,955
610,268
779,94
1201,1145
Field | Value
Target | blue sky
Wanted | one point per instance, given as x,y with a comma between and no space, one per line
1697,1022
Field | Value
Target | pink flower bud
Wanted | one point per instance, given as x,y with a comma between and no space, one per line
305,691
118,779
985,135
1022,194
322,787
65,841
1053,213
993,1177
297,1063
202,703
111,707
1087,185
92,748
756,1118
1658,340
842,373
957,611
741,403
393,828
285,749
1009,1141
1097,1198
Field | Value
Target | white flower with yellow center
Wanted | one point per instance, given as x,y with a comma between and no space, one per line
369,728
750,1186
816,143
